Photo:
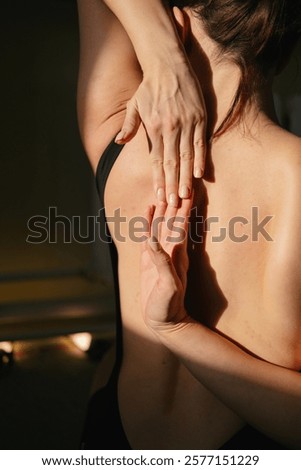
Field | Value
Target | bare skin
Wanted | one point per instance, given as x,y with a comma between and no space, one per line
247,291
167,101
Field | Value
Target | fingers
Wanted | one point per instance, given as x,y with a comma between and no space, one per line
177,151
158,220
170,224
171,167
156,154
165,166
178,217
186,164
161,260
175,160
148,215
145,236
199,150
131,124
192,158
179,254
185,208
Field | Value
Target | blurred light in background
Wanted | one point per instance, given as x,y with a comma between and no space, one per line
82,341
6,346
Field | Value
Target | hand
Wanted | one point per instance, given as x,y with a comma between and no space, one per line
164,265
171,107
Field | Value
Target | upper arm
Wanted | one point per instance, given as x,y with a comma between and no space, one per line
108,77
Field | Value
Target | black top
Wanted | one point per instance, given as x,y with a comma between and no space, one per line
103,170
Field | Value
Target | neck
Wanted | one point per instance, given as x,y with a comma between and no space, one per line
219,80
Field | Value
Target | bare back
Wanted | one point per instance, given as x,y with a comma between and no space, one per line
235,285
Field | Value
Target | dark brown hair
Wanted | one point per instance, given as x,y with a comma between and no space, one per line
258,35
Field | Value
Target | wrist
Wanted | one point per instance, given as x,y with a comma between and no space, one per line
184,337
177,325
166,64
171,56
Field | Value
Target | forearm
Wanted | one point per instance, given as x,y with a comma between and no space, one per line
265,395
151,30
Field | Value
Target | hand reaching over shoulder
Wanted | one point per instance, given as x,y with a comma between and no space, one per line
170,104
164,265
169,101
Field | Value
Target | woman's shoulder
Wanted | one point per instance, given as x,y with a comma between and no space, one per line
283,152
285,145
281,181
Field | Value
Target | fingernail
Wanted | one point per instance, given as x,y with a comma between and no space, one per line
198,173
154,243
161,195
173,200
120,136
184,192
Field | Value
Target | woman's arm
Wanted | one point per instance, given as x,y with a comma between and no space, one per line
151,30
169,101
109,75
264,394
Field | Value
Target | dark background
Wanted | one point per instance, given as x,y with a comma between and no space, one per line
43,165
46,290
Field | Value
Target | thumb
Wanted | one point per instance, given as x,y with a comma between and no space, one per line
131,124
161,259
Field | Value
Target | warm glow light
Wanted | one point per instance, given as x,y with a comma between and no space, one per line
82,341
6,346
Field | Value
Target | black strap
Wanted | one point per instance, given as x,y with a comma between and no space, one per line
104,168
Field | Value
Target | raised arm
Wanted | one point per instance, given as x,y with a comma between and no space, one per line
265,395
169,101
151,30
109,75
126,76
